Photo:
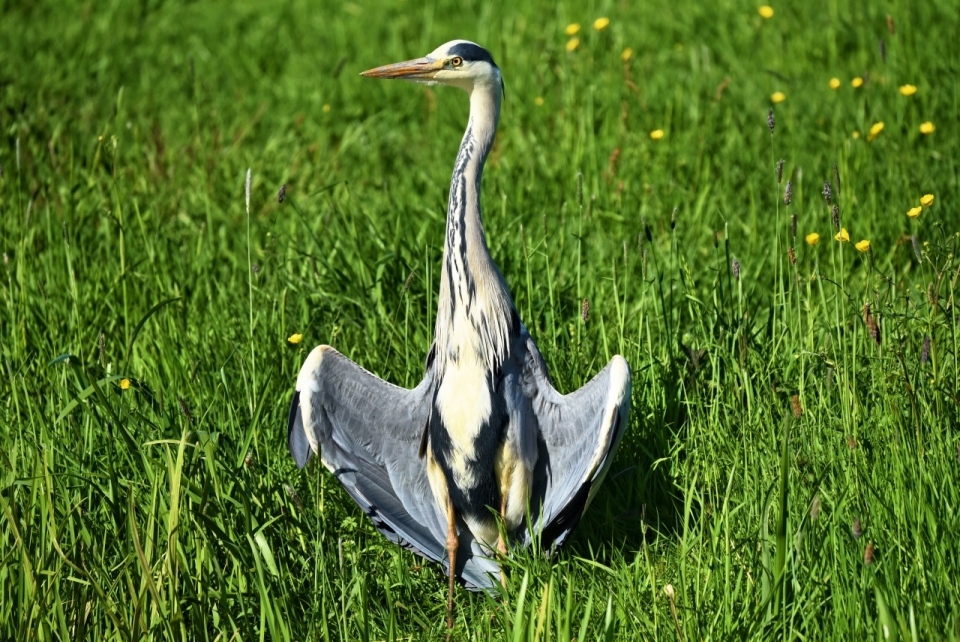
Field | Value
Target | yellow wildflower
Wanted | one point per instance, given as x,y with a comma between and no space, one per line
927,128
627,53
656,134
601,23
538,101
856,82
812,238
295,338
834,83
863,246
765,11
572,29
856,134
875,130
843,235
124,384
926,200
908,90
914,212
778,97
572,44
326,108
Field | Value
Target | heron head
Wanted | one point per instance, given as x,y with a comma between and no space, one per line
460,63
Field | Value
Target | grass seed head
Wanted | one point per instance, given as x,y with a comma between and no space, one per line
916,248
185,409
871,323
925,352
815,508
673,219
793,226
788,193
246,189
282,194
795,403
646,229
827,192
406,284
779,171
890,26
792,254
857,530
883,51
931,296
771,122
585,309
868,554
294,496
835,217
836,177
735,268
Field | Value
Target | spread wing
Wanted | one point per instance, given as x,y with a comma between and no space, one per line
579,434
367,432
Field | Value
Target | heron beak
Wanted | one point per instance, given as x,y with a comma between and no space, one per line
417,68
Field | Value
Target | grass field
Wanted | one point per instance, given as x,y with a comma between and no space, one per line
792,465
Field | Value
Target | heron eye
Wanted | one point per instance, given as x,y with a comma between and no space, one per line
456,62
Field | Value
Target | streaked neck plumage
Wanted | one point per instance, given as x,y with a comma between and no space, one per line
475,315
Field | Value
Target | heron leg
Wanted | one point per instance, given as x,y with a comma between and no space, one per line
453,543
501,542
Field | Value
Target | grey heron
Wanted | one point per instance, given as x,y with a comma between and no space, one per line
451,469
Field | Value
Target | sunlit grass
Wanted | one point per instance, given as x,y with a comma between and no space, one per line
791,465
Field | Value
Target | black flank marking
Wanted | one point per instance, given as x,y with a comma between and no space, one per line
471,52
514,322
431,355
476,500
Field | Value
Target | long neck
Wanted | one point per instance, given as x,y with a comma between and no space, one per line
475,311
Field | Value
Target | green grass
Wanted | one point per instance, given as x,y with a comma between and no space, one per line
171,510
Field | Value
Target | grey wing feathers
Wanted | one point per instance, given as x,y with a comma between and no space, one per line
367,433
579,435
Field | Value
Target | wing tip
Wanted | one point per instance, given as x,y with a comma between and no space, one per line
296,435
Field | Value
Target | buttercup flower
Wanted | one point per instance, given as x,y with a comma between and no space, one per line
572,44
908,90
875,130
295,338
863,246
834,83
926,200
625,56
778,97
656,134
765,11
601,23
572,29
843,235
914,212
856,134
124,384
927,128
538,101
812,238
856,82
